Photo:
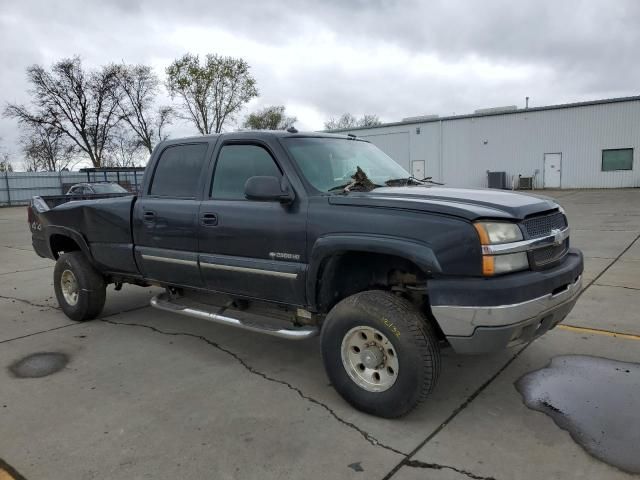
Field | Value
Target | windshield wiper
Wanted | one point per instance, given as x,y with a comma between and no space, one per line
394,182
360,183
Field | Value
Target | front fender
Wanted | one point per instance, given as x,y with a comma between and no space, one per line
329,245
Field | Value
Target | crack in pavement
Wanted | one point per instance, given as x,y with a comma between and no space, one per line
453,414
437,466
615,286
38,333
475,394
60,326
366,435
597,277
17,248
28,302
27,270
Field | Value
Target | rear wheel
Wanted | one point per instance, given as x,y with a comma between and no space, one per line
79,288
380,353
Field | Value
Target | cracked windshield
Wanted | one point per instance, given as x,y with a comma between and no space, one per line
334,164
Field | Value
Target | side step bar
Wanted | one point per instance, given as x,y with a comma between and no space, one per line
162,302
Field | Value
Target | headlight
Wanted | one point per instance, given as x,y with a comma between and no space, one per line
498,232
510,262
492,233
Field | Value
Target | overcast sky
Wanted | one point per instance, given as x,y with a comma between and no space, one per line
319,59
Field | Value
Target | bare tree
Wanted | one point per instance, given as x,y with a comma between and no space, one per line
125,150
46,149
82,105
211,93
138,88
163,119
346,121
269,118
5,160
368,120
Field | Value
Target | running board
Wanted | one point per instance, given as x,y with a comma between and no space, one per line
162,302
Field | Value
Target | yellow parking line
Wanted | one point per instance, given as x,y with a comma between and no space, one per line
608,333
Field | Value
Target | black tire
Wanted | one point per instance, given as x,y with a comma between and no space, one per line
412,337
91,287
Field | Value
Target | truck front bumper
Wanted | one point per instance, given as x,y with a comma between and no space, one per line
531,304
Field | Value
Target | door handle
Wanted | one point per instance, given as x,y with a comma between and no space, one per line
149,216
209,219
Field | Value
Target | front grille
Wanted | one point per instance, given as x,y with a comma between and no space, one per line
537,227
545,256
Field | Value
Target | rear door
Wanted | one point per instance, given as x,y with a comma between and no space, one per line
251,248
165,218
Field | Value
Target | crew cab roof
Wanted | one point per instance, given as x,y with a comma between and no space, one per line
256,135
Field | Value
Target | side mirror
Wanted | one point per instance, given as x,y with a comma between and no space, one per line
268,189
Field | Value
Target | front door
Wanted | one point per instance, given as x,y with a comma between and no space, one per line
552,170
251,248
165,219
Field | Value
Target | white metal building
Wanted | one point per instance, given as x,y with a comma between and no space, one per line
579,145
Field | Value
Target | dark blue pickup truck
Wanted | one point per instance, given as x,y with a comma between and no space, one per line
295,234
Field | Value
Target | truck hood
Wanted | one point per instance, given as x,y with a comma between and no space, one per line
471,204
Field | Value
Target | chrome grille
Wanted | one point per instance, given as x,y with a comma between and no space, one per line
547,255
537,227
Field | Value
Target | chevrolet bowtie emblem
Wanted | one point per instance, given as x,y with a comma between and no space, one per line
557,236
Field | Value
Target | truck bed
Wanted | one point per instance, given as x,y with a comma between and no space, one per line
99,224
52,201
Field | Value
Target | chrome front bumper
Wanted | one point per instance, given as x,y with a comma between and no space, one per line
481,329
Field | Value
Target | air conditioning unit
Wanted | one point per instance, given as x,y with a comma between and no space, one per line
525,183
497,179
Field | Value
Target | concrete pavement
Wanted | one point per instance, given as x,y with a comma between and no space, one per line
147,394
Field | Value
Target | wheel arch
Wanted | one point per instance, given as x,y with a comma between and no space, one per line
333,254
62,239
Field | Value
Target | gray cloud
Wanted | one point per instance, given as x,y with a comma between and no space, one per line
392,58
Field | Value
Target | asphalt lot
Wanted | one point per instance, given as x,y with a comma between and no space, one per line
147,394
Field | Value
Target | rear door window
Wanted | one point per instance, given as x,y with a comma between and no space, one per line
178,171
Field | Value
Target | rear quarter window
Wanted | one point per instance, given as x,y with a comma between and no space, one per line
178,171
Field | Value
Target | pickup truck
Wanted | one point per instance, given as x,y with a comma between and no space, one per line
297,234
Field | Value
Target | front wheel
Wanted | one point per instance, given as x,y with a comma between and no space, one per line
80,289
380,353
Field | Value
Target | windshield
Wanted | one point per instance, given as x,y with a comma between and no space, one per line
107,188
328,163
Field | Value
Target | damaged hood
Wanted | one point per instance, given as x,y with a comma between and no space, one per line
471,204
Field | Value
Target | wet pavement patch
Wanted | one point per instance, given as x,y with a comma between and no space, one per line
596,400
39,365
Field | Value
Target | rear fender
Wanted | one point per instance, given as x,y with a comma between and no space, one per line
69,233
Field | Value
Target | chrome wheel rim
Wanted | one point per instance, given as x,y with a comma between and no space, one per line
69,287
370,359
